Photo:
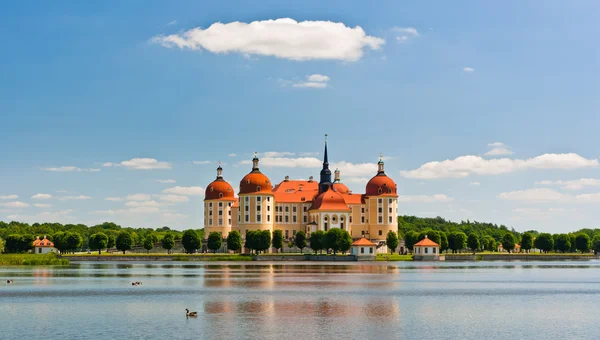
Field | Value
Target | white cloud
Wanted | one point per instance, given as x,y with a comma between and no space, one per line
45,216
15,204
540,214
475,183
588,198
425,198
232,155
281,38
186,191
165,181
114,199
468,69
577,184
74,198
142,204
467,165
173,215
318,78
9,197
305,154
314,81
134,210
406,33
138,197
202,162
277,154
346,168
41,197
174,198
356,169
42,205
537,195
498,149
70,169
140,164
172,23
359,180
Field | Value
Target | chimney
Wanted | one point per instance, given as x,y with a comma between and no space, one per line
287,178
310,179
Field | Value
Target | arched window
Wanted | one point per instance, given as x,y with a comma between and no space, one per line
220,195
334,219
379,191
258,188
326,223
211,189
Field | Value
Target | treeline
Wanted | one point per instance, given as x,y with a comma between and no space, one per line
475,235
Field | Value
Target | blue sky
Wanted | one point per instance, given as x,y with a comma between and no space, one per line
89,87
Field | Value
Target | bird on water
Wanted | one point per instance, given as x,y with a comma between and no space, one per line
190,314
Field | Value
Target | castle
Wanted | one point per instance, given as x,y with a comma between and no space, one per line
294,205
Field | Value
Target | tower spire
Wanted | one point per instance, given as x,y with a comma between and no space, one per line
325,181
255,162
380,170
219,171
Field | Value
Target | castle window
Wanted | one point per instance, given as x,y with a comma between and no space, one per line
228,189
268,218
305,218
380,232
362,219
294,208
268,199
258,188
220,212
229,204
258,198
211,189
229,212
380,201
287,235
379,191
258,208
247,181
294,219
247,199
210,213
220,204
210,205
380,219
247,218
287,208
380,209
268,208
305,208
287,219
220,195
229,221
362,210
390,219
210,221
258,218
350,220
334,219
220,221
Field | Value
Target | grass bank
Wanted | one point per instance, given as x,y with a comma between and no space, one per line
32,260
394,257
158,257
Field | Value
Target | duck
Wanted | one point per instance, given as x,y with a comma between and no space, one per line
9,282
190,314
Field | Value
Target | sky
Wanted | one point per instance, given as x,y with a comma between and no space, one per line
120,111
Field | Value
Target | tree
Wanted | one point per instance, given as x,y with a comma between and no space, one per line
215,240
562,242
1,245
191,241
112,241
411,238
278,239
346,242
60,242
148,243
489,243
473,242
582,241
168,242
596,244
300,240
443,241
264,240
13,243
527,242
252,240
392,241
508,242
74,241
544,242
317,241
433,235
335,238
234,240
573,240
98,242
457,240
124,241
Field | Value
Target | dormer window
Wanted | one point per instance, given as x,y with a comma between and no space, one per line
258,188
379,191
211,189
220,195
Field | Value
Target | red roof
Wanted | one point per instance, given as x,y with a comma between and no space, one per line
329,201
219,189
295,191
363,242
255,182
426,242
381,185
43,242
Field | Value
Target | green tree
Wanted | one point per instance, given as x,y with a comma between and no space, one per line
13,243
596,244
489,243
300,240
148,243
98,241
215,240
443,241
191,241
234,240
1,245
252,240
527,242
457,240
74,241
334,239
264,240
124,241
544,242
573,239
317,241
392,241
112,241
433,235
60,242
346,242
473,242
562,242
278,239
410,238
582,242
168,242
508,242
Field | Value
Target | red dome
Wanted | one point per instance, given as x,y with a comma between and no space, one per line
219,189
329,200
381,185
341,188
255,182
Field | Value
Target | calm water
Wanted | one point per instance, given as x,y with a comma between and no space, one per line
484,300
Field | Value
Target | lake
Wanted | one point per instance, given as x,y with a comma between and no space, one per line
300,300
